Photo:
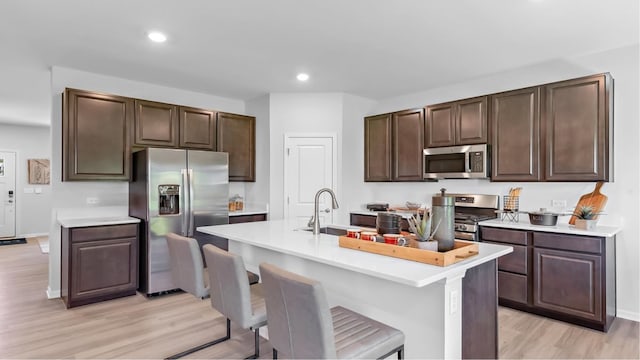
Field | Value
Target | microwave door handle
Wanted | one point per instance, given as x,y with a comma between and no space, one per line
467,165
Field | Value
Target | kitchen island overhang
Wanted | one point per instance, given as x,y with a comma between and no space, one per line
424,301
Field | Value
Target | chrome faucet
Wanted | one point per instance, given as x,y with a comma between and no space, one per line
315,221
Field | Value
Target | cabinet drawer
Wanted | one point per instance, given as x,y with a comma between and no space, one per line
512,287
104,232
505,236
517,261
568,242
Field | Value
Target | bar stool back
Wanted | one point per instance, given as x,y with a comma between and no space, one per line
301,324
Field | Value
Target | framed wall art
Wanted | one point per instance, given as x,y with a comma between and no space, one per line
39,172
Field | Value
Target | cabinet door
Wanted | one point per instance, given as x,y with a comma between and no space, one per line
197,128
568,283
471,121
576,124
237,136
407,128
156,124
377,148
440,125
96,136
515,120
104,267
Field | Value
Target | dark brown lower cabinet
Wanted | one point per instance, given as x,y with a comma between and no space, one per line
98,263
237,219
370,221
362,220
577,291
565,277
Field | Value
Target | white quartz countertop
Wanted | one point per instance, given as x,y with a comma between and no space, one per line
281,236
524,224
96,221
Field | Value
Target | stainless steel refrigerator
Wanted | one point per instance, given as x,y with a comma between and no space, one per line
175,190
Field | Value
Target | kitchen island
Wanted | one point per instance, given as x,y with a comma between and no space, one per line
426,302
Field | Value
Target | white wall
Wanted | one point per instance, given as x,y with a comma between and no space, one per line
258,191
113,194
622,207
354,194
299,113
32,210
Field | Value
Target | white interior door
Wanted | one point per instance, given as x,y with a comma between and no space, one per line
309,165
7,194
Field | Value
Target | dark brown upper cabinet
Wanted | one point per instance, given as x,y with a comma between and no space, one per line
377,148
515,123
237,136
456,123
576,125
393,146
440,125
96,138
197,128
408,143
156,124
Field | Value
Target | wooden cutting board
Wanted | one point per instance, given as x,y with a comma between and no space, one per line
594,199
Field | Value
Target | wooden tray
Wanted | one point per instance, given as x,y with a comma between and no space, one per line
461,251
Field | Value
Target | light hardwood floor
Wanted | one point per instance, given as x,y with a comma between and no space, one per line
31,326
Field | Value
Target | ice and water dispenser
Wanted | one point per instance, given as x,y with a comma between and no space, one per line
169,199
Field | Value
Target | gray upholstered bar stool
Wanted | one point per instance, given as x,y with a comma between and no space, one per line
301,324
187,270
231,294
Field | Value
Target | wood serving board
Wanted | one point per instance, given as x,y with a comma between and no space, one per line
461,251
594,199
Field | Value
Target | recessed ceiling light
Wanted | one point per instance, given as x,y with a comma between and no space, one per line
303,77
158,37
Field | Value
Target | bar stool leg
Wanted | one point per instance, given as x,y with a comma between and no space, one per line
275,353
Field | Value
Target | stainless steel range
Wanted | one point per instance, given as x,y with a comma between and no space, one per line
471,209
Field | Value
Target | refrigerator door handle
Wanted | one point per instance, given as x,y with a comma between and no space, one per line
191,199
187,203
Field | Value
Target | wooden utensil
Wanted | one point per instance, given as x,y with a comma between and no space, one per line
594,199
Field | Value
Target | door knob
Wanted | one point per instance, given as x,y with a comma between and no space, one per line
327,210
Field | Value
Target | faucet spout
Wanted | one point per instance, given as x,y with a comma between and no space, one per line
315,220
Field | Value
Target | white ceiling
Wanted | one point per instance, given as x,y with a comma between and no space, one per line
246,48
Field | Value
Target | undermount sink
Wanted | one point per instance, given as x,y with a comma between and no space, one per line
328,230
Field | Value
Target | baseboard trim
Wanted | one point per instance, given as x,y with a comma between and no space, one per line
629,315
51,294
34,235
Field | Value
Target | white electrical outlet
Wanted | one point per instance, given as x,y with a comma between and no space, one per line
559,203
453,302
92,200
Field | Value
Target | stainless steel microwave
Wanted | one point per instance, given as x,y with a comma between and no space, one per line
457,162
